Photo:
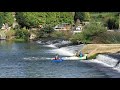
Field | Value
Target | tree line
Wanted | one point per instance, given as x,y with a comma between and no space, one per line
34,19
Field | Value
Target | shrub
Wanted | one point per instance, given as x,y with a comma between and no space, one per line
112,23
10,34
92,30
82,16
45,32
89,31
57,34
22,34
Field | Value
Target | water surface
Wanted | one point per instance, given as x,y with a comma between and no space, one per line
31,60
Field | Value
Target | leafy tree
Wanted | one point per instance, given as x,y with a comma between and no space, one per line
22,34
1,19
113,23
89,31
66,17
46,31
30,19
82,16
34,19
6,17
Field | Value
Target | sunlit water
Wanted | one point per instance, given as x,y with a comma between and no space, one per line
32,60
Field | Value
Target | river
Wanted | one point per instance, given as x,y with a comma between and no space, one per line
32,60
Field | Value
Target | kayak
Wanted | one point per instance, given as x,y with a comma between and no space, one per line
84,57
58,60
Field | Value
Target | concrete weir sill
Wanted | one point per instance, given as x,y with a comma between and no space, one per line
107,60
106,64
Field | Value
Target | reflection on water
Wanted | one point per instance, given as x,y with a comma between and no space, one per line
30,60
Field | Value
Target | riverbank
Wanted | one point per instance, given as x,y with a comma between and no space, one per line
94,49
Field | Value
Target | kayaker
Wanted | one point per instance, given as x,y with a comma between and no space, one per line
56,57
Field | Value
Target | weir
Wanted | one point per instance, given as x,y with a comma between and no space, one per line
109,60
63,48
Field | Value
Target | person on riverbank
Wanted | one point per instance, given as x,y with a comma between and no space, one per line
76,53
81,54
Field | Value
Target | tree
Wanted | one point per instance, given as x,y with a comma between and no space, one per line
22,34
1,19
66,17
113,23
89,31
82,16
6,17
34,19
46,31
31,19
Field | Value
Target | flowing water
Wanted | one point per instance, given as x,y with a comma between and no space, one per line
32,60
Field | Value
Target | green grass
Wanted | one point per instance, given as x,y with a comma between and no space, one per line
19,40
93,56
100,17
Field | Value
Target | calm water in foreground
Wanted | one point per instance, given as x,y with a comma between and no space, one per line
31,60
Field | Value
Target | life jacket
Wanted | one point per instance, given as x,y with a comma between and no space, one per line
56,58
81,55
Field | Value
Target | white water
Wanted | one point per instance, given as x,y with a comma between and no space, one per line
68,52
107,65
36,58
107,61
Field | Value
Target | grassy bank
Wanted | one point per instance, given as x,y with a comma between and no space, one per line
94,49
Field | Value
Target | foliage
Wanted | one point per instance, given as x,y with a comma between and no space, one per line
93,56
22,34
6,17
34,19
76,37
113,23
89,31
61,34
57,34
82,16
30,19
10,34
93,29
45,32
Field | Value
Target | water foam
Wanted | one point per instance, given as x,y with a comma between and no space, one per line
37,58
107,61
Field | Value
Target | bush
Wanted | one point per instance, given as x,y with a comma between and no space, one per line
93,56
22,34
57,34
92,30
82,16
89,31
10,34
112,23
45,32
76,37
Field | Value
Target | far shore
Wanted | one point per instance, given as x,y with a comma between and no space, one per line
94,49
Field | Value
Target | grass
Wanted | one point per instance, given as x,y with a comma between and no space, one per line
19,40
94,49
101,17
